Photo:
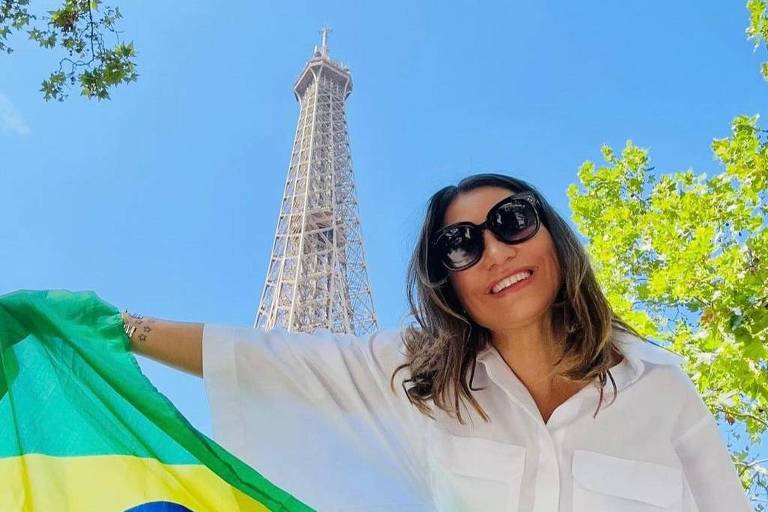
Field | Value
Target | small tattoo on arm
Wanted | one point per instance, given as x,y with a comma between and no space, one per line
146,330
133,322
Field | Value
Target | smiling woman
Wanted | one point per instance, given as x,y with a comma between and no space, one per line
499,278
552,325
510,319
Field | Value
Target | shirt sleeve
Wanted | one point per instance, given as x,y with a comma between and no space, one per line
314,413
714,482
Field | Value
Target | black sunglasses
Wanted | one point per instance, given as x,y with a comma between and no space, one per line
512,220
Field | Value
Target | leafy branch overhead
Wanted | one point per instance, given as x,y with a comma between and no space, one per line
78,28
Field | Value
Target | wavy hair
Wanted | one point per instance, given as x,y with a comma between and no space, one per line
443,345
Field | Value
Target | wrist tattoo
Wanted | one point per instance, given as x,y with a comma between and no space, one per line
137,322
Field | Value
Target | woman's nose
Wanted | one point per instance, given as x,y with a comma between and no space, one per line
496,251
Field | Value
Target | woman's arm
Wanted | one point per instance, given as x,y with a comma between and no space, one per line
177,344
338,382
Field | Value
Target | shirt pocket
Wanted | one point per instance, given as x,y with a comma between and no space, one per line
471,473
603,483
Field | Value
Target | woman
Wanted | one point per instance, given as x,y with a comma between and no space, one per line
511,322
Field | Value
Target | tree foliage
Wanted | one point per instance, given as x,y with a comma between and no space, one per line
683,256
758,28
77,28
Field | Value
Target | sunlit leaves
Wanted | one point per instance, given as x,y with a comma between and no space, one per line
53,85
13,17
758,28
77,29
117,67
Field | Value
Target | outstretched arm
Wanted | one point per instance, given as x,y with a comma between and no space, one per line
176,344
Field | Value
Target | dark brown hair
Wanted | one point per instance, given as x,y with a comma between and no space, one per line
443,345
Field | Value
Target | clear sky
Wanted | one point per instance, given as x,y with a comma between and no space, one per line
164,200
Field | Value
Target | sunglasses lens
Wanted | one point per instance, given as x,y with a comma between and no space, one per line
460,246
515,221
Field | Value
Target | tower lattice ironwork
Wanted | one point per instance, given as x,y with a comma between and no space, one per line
317,276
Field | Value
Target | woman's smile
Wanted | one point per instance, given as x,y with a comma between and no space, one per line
514,288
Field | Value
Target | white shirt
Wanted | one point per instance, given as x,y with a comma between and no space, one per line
314,414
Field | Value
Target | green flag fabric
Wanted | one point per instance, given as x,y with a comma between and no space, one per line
82,429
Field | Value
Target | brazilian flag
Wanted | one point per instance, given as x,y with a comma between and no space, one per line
83,430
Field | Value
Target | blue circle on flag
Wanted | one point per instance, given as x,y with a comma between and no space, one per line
159,506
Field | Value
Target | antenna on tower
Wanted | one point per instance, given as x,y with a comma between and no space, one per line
324,41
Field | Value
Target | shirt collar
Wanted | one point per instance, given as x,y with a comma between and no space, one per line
637,352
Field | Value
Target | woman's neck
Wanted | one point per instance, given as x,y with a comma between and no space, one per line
530,353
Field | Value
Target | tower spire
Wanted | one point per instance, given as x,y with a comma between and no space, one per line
324,41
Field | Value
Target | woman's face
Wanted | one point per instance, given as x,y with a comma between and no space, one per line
516,308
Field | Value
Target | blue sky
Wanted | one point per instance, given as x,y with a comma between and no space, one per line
164,200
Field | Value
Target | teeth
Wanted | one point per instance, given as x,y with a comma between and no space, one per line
510,281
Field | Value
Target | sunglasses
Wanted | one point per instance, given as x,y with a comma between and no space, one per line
512,220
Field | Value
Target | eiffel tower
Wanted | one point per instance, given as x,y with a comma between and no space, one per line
317,275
